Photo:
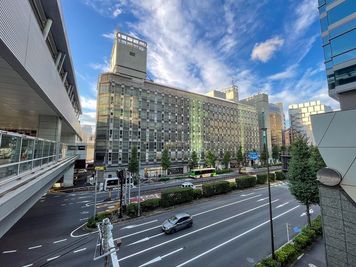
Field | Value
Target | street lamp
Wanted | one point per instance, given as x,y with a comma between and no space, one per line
264,134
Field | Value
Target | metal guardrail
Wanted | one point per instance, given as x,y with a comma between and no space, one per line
21,153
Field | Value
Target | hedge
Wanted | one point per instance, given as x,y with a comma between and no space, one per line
163,179
174,196
280,176
98,218
289,253
233,185
131,209
216,188
224,171
150,204
262,178
245,182
197,193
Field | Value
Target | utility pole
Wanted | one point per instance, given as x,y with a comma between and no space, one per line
95,189
139,192
120,176
264,132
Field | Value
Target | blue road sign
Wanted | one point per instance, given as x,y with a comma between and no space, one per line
296,229
253,155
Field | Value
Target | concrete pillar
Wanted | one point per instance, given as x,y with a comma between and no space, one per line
64,77
49,127
47,28
68,177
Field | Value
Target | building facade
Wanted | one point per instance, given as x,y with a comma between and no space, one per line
132,111
261,104
277,122
335,132
299,117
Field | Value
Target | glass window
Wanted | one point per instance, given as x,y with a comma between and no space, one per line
345,57
324,24
321,2
27,149
341,11
343,28
346,75
343,43
327,52
9,149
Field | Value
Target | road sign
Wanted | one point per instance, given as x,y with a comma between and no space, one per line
296,229
253,155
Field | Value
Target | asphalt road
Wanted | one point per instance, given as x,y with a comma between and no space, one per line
228,230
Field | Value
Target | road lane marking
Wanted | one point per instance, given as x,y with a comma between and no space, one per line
28,265
159,258
111,207
63,205
58,241
195,231
79,250
145,239
261,199
137,225
80,226
280,206
53,258
35,247
9,251
245,195
83,219
84,212
236,237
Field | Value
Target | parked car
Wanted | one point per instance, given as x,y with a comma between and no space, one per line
188,185
177,222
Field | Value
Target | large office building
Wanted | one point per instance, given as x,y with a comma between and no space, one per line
261,103
132,111
299,118
39,105
335,132
277,122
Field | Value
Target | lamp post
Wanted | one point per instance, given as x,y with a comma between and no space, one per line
264,133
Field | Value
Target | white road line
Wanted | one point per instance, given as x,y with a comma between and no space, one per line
35,247
137,225
58,241
261,199
159,258
300,256
236,237
195,231
245,195
28,265
63,205
145,239
80,226
9,251
84,219
84,212
79,250
280,206
53,258
111,207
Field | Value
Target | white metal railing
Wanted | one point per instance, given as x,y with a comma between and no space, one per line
20,153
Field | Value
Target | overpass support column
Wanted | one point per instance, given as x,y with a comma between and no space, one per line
68,177
50,127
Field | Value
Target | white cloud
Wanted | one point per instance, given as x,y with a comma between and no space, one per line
88,103
107,8
88,118
116,12
306,13
102,67
290,72
264,51
109,35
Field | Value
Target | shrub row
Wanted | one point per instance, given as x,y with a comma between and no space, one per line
280,176
289,253
216,188
174,196
245,182
224,171
262,178
98,218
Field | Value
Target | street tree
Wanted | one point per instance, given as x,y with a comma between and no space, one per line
210,159
275,153
302,175
134,164
316,160
239,158
226,159
193,162
166,160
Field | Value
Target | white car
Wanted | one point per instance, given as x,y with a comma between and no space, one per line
188,185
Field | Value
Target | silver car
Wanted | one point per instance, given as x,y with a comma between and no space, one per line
177,222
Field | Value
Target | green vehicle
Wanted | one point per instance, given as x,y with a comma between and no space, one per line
200,173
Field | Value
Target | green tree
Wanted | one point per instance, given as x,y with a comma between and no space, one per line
134,164
166,160
226,159
239,158
210,159
302,175
275,153
283,149
193,162
316,160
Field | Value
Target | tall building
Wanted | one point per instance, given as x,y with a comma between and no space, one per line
39,105
277,123
299,117
133,111
88,134
335,132
261,104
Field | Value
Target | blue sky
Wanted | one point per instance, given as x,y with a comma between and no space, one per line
270,46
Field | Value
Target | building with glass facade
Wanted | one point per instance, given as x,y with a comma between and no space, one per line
132,111
276,117
335,132
299,117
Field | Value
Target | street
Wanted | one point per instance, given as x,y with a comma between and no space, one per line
229,230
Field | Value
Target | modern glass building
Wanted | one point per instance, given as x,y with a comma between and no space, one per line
132,111
338,31
276,117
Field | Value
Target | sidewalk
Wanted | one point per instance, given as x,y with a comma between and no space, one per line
313,256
